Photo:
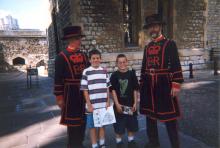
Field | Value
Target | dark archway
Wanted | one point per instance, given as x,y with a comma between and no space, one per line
166,10
18,61
41,63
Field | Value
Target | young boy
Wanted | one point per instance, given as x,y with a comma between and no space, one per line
95,84
124,91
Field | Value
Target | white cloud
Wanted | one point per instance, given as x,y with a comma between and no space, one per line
4,13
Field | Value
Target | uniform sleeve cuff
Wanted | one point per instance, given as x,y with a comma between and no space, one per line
60,97
176,85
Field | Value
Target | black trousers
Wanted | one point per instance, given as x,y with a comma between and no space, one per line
152,132
75,136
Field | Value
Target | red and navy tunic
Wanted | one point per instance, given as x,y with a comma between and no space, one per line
69,66
160,68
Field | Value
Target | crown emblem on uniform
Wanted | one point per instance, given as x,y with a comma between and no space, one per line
153,50
78,58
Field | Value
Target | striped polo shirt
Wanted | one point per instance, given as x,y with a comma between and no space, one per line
96,81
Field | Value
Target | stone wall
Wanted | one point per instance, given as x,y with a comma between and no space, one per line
190,32
213,24
102,22
189,23
134,60
194,23
33,49
51,50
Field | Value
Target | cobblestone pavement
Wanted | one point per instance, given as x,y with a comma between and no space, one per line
29,116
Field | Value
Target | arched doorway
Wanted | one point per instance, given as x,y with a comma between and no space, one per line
40,63
18,61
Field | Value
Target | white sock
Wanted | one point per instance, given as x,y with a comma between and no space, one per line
118,140
130,138
101,141
94,145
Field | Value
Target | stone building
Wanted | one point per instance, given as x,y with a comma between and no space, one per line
115,26
22,48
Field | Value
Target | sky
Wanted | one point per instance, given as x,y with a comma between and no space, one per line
31,14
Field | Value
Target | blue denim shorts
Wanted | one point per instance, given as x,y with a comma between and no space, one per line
89,120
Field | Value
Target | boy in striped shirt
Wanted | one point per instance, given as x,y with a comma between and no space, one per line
95,85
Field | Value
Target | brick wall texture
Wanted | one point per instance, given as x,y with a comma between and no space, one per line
195,26
213,24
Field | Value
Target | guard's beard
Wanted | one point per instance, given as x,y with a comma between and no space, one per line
154,34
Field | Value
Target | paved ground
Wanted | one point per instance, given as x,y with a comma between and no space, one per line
199,101
29,117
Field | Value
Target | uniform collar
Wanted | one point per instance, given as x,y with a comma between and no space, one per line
71,50
161,37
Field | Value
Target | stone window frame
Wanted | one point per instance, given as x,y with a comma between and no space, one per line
134,9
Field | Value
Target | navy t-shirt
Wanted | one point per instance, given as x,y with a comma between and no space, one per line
124,83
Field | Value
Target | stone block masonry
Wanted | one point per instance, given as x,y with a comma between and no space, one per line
30,46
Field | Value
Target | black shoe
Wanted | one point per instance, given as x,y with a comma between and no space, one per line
150,145
119,145
132,144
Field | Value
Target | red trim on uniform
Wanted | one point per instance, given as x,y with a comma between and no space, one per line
71,50
161,37
69,83
177,72
163,50
177,79
146,57
73,80
161,113
164,73
148,109
67,63
152,96
169,119
71,124
60,97
176,85
162,120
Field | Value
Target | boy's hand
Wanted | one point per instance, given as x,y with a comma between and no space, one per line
107,104
119,108
90,108
134,108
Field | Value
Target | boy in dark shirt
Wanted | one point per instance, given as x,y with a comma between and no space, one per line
124,91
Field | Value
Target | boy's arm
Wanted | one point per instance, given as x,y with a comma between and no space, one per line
117,104
108,99
86,96
135,100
